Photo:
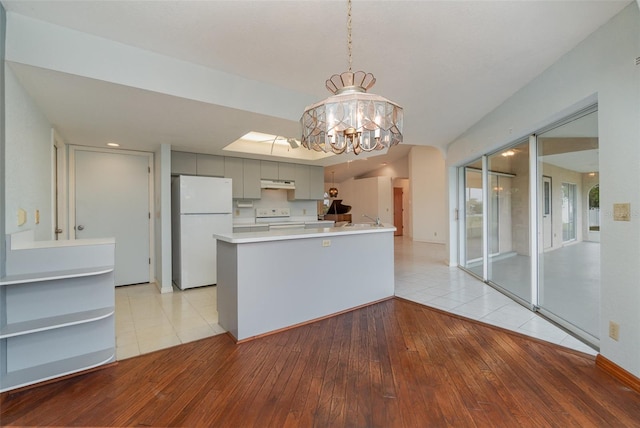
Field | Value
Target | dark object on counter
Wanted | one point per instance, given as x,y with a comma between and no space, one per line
337,207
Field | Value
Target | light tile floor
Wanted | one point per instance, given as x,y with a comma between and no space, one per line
421,275
147,320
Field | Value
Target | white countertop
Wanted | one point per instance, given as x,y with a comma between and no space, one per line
308,224
284,234
253,222
27,245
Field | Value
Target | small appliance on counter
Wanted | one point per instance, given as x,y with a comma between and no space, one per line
200,207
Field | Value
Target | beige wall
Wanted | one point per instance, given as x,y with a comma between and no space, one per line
372,193
428,190
371,196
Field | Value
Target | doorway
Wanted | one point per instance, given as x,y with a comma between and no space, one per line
398,211
110,196
568,212
593,233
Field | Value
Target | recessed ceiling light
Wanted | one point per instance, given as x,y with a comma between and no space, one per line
113,144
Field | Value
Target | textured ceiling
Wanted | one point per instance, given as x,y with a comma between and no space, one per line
448,63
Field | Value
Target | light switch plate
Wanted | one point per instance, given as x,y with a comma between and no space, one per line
622,212
22,216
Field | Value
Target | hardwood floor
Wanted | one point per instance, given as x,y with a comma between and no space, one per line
393,364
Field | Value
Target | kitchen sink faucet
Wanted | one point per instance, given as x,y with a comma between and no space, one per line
376,220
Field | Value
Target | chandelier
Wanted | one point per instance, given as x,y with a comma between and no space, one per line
351,120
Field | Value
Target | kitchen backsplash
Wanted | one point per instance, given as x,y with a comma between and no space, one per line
272,198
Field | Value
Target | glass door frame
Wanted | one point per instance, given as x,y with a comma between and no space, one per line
580,333
533,229
461,216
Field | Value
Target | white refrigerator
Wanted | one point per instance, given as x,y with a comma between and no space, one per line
200,207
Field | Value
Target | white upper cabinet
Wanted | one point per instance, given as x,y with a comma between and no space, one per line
309,183
245,176
269,170
183,163
210,165
286,171
247,173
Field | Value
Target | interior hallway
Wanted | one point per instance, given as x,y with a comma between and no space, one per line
147,320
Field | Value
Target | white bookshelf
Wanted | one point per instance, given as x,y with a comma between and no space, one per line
57,309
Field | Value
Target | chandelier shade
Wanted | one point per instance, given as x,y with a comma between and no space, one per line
351,120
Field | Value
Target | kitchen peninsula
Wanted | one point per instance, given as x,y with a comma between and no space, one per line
270,281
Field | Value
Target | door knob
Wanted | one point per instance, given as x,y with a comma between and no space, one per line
80,227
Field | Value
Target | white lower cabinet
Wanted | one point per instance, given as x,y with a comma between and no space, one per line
57,322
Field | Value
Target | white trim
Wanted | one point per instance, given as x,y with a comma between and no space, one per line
533,216
62,193
485,218
52,182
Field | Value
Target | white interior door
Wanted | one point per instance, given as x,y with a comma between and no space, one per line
112,200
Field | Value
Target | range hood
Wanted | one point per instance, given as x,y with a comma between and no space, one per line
278,184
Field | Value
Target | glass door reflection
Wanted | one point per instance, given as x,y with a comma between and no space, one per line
510,257
569,265
472,251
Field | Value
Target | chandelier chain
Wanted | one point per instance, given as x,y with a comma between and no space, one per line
349,32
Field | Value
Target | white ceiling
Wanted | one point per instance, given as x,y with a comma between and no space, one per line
448,63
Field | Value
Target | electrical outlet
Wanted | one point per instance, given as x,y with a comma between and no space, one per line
304,211
326,242
614,330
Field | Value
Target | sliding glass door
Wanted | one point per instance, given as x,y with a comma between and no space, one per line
569,268
509,261
530,222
